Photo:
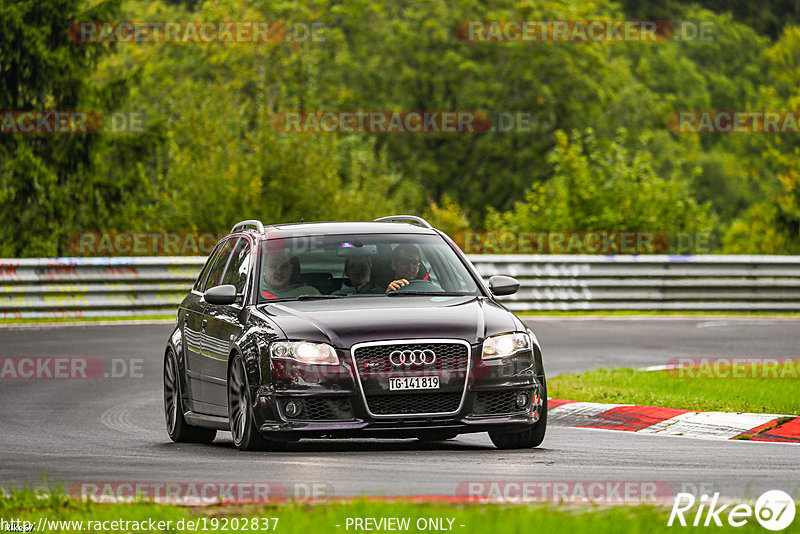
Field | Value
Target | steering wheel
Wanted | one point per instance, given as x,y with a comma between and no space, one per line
419,285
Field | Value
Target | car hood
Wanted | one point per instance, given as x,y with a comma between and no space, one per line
346,321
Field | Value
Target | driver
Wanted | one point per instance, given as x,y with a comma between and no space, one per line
406,264
276,281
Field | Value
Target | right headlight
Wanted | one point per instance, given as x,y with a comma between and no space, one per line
505,345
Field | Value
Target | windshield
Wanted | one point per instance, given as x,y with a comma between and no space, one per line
361,265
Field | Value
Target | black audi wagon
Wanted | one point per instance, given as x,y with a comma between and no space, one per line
350,329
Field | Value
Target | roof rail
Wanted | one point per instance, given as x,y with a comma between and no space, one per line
241,225
406,218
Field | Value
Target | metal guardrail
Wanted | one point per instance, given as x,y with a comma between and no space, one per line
102,287
649,282
95,287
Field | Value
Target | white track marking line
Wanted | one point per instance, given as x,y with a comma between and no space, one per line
658,427
710,425
579,413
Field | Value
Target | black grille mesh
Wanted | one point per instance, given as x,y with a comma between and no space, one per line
452,362
449,356
322,409
497,402
414,403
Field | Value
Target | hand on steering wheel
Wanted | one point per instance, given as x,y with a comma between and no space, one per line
410,285
396,285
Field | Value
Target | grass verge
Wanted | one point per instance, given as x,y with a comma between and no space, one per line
332,517
688,389
657,313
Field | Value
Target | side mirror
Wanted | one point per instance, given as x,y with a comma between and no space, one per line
503,285
224,294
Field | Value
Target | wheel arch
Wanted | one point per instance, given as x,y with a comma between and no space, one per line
175,345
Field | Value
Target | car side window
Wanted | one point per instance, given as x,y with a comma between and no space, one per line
201,278
218,266
236,273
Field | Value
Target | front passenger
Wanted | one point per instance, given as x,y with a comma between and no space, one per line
277,277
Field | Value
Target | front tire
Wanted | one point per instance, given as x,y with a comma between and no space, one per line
525,439
178,429
246,436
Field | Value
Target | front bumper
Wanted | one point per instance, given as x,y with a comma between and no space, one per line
334,402
291,431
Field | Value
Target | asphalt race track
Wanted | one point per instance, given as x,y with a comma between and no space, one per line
112,429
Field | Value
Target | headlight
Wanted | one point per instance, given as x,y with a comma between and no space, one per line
505,345
305,352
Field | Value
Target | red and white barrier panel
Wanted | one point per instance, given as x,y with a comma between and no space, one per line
675,422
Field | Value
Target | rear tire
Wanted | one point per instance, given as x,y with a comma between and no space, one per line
246,436
525,439
178,429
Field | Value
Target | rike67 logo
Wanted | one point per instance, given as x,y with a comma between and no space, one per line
774,510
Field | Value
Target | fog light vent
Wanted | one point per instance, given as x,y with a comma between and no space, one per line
292,408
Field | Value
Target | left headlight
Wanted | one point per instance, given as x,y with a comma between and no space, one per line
505,345
305,352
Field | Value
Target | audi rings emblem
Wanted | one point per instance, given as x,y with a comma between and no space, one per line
412,357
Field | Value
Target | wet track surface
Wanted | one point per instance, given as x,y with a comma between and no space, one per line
112,429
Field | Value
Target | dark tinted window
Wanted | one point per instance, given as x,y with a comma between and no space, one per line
201,278
236,273
320,262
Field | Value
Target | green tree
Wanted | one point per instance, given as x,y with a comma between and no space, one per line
602,186
771,224
46,183
222,158
406,55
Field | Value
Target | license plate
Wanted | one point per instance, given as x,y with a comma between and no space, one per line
413,382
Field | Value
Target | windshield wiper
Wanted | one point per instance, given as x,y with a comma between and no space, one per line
426,294
312,297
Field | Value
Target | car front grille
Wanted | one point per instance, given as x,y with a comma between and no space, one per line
415,403
497,402
374,369
321,409
451,357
